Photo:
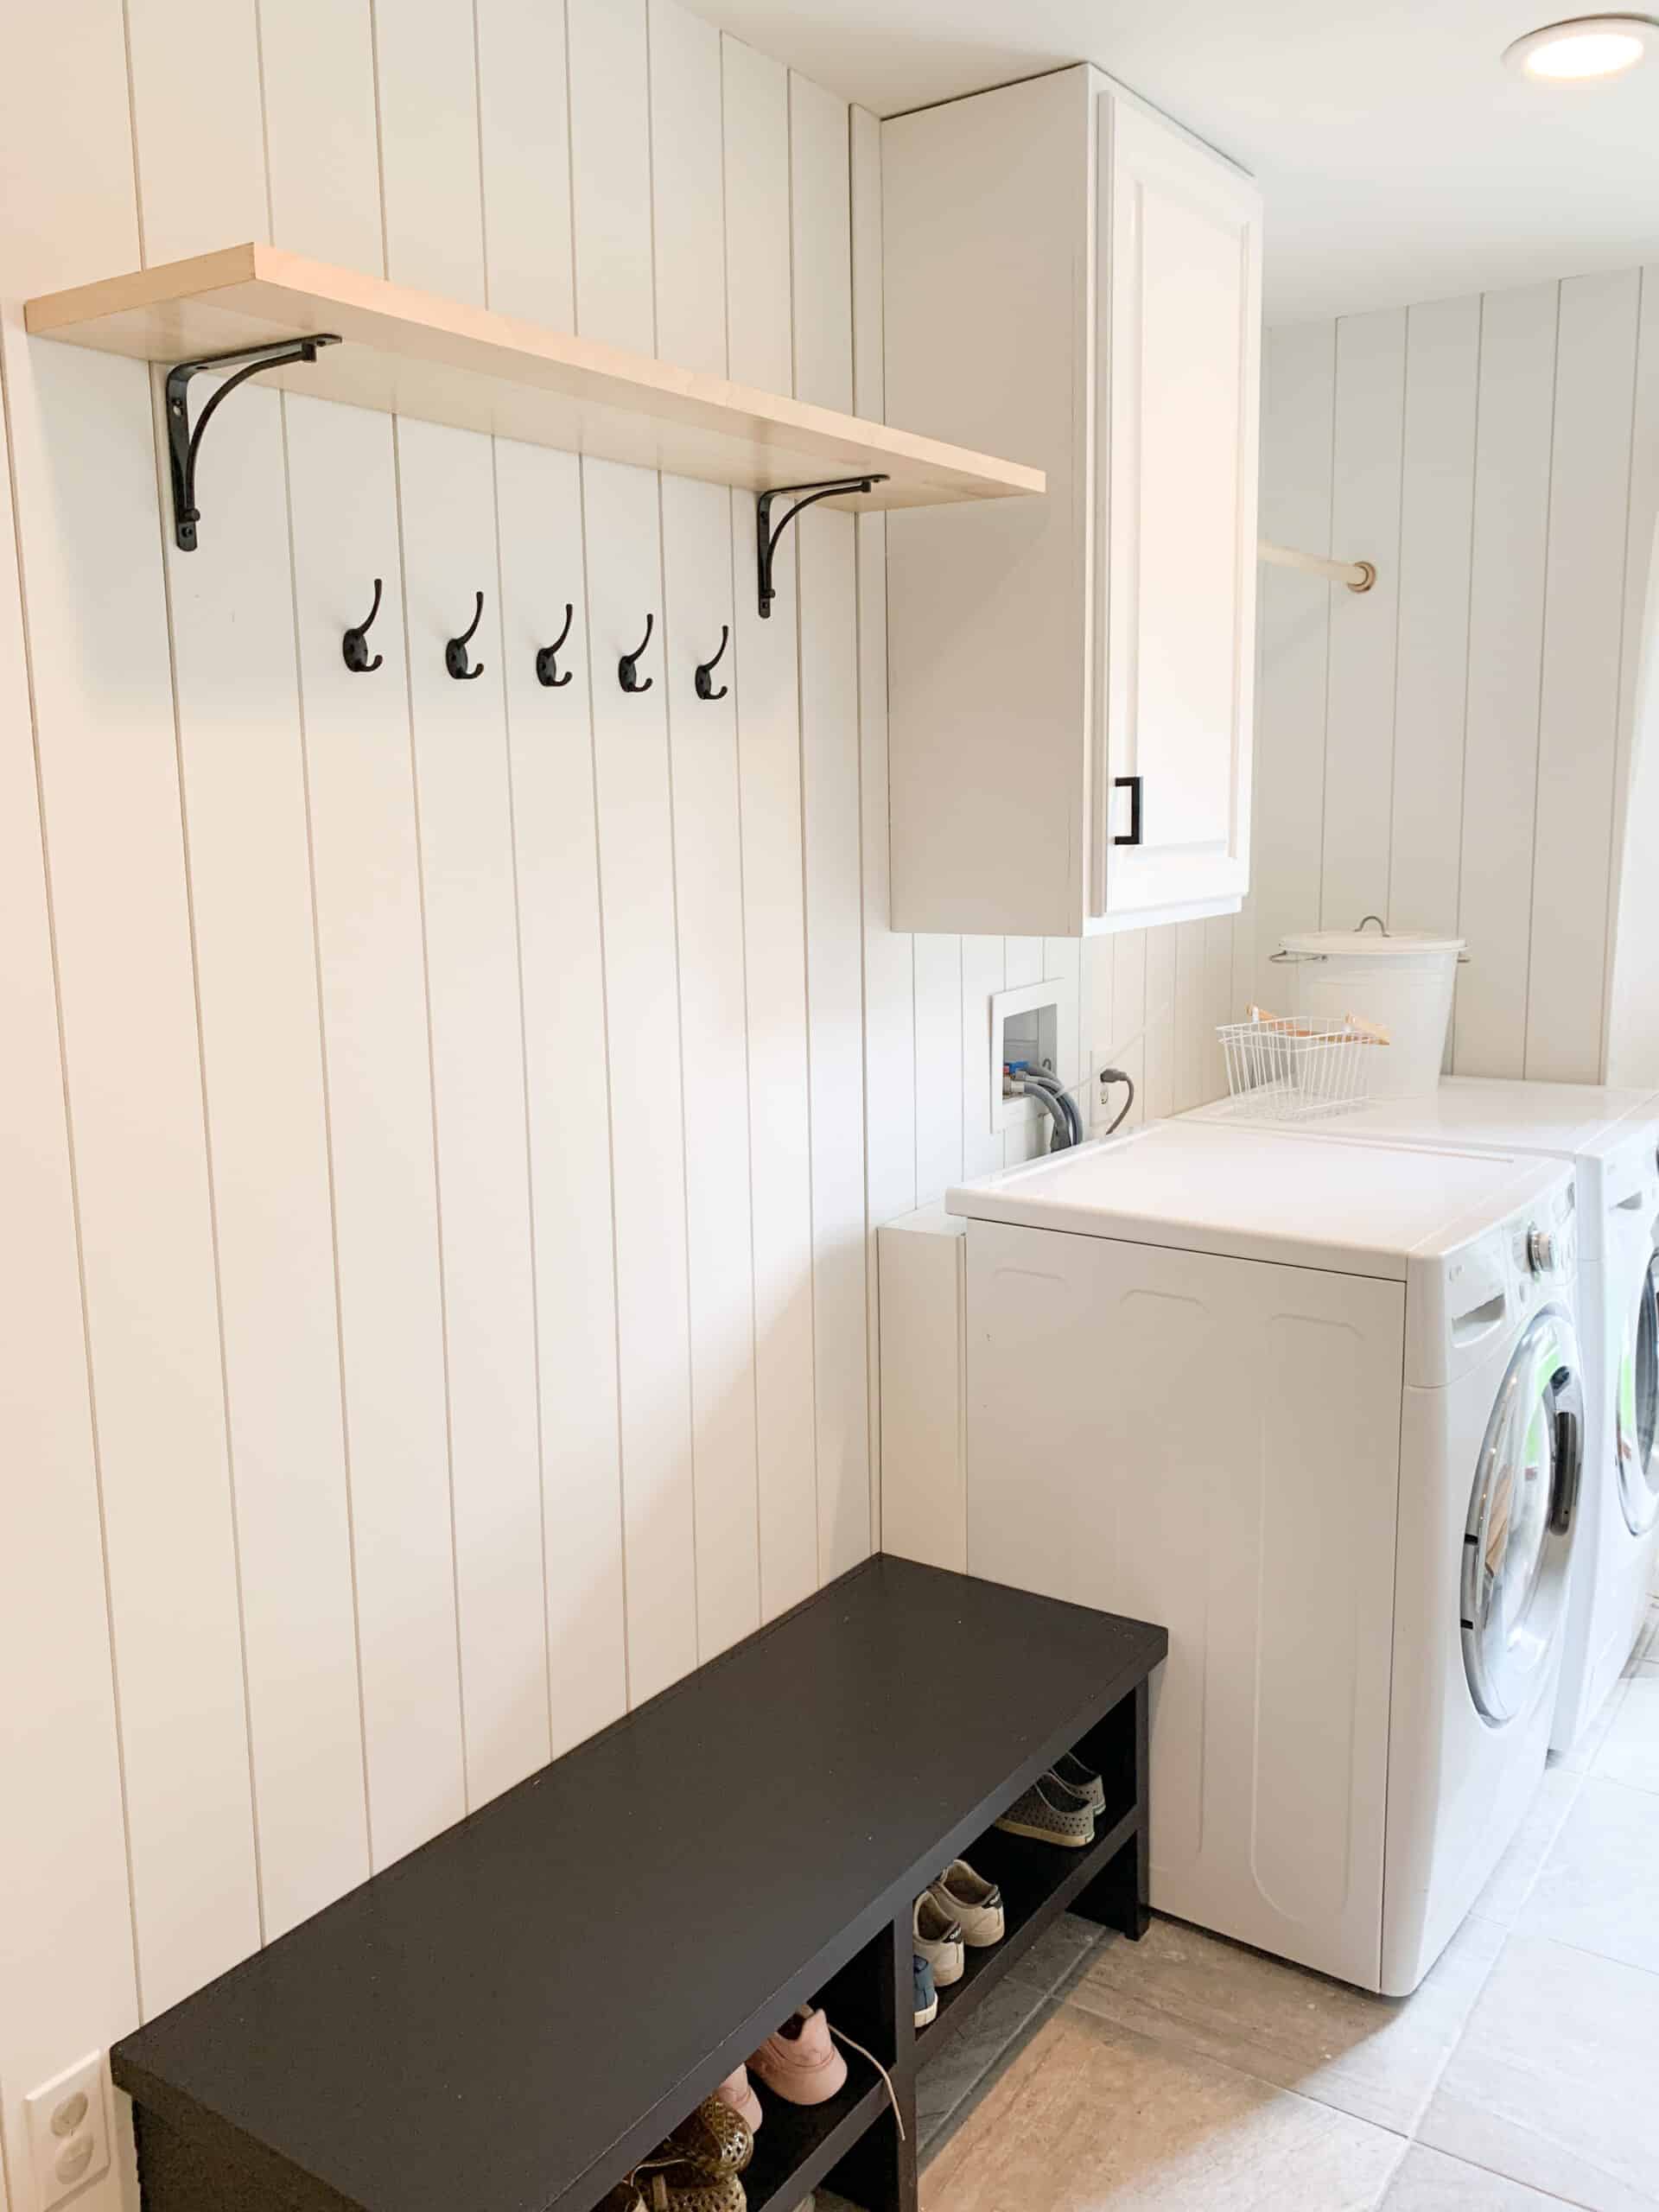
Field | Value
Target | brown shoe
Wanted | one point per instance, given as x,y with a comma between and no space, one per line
714,2140
683,2187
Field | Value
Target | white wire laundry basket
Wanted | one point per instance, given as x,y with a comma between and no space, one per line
1293,1070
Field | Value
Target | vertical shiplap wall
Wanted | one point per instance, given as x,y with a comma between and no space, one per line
442,1124
1450,750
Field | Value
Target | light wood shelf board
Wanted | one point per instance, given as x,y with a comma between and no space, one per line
409,352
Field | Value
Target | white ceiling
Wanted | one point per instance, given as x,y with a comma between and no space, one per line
1401,159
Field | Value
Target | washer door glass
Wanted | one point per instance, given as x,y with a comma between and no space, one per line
1637,1433
1519,1534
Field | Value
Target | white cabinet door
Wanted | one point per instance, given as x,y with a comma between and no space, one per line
1178,306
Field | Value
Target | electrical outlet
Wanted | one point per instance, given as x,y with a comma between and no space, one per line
68,2122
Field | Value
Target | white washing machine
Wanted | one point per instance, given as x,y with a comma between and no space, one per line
1316,1408
1612,1139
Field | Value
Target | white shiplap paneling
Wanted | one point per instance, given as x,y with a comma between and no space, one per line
428,91
938,1065
688,188
1513,435
538,507
755,115
245,799
826,554
1364,511
636,873
478,1096
322,151
610,167
523,128
1436,511
83,458
248,843
371,967
708,903
761,348
447,489
1579,694
1496,473
1287,814
66,1925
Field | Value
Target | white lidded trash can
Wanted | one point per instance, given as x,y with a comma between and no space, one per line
1401,982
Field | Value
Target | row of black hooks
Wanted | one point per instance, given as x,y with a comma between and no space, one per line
354,651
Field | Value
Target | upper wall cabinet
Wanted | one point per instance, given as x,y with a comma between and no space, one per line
1072,277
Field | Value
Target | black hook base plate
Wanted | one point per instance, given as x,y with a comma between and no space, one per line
766,537
183,444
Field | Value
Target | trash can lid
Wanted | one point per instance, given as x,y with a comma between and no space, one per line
1371,944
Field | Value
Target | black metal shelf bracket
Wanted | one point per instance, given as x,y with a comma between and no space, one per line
767,537
184,441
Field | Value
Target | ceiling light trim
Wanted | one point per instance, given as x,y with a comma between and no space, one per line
1609,47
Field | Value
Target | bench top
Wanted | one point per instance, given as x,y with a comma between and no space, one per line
508,2018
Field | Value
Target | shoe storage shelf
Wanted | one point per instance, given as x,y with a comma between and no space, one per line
511,2017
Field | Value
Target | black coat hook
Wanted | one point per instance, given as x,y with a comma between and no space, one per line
354,646
454,653
628,669
547,666
705,668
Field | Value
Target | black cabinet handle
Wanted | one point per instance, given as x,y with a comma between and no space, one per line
1132,784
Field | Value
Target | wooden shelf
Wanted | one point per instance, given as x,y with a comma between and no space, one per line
408,352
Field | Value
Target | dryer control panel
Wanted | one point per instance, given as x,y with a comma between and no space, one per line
1490,1287
1546,1244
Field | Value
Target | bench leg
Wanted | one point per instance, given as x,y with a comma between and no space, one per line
878,2173
1119,1748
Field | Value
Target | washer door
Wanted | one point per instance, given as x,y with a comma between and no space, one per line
1519,1534
1637,1436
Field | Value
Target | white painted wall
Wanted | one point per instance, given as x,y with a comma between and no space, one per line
440,1125
1452,749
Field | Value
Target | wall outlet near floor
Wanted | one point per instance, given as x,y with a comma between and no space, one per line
68,2122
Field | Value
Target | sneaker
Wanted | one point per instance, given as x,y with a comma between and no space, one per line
926,1996
937,1936
1083,1779
799,2062
736,2091
967,1897
1051,1813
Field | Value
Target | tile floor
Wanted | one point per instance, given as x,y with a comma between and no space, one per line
1187,2074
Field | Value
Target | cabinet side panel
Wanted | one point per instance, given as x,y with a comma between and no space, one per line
1147,1431
986,246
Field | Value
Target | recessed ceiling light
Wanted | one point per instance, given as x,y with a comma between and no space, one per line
1578,52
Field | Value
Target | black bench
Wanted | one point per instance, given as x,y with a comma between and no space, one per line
511,2017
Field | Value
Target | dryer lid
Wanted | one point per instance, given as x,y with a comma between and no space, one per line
1256,1194
1568,1120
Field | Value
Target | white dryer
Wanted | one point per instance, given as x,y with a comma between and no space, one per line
1612,1137
1316,1408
